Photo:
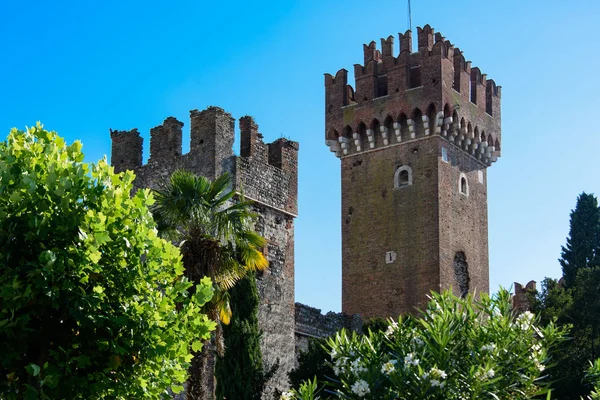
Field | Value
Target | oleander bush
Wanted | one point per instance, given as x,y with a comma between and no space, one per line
458,348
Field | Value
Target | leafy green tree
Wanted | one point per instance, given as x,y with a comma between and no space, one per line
583,243
217,240
574,302
240,373
459,348
553,303
88,292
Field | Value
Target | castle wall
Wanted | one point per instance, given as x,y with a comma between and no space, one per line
463,221
521,300
276,290
311,324
264,173
378,218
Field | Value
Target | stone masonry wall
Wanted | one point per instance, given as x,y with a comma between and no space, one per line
265,173
276,290
311,324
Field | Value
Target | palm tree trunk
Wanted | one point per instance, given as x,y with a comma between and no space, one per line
201,383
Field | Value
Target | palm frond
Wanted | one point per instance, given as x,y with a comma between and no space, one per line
254,260
216,231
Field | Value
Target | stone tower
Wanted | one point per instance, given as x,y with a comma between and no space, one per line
415,138
267,174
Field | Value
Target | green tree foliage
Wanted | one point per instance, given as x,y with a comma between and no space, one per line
88,292
217,240
240,374
583,243
553,303
592,376
313,363
574,302
459,348
375,324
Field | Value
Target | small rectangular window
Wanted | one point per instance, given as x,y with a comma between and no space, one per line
382,88
414,77
445,157
390,257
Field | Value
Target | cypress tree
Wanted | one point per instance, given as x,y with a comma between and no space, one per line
240,373
583,244
575,303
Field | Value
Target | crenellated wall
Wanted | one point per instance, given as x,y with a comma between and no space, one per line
264,173
521,300
433,91
311,324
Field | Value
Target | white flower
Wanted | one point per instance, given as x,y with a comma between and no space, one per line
333,354
411,360
418,341
438,373
356,367
435,382
539,366
490,373
393,327
488,347
361,388
286,396
524,321
388,367
340,365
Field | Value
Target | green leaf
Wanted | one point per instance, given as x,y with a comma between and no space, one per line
98,289
177,389
101,238
15,197
33,369
196,345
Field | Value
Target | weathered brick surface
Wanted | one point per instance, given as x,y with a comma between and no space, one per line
521,300
265,173
413,110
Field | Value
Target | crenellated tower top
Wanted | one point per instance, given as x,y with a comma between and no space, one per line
395,99
266,172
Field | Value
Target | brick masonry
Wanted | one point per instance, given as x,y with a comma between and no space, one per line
521,300
415,139
264,173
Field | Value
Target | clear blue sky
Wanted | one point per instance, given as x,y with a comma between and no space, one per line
83,67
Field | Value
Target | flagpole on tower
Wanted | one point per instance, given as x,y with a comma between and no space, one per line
409,17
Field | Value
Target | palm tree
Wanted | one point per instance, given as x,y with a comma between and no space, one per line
216,237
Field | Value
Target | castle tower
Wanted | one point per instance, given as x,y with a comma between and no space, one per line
415,138
267,174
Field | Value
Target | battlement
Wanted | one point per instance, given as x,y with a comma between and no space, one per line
414,94
521,300
267,173
310,323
